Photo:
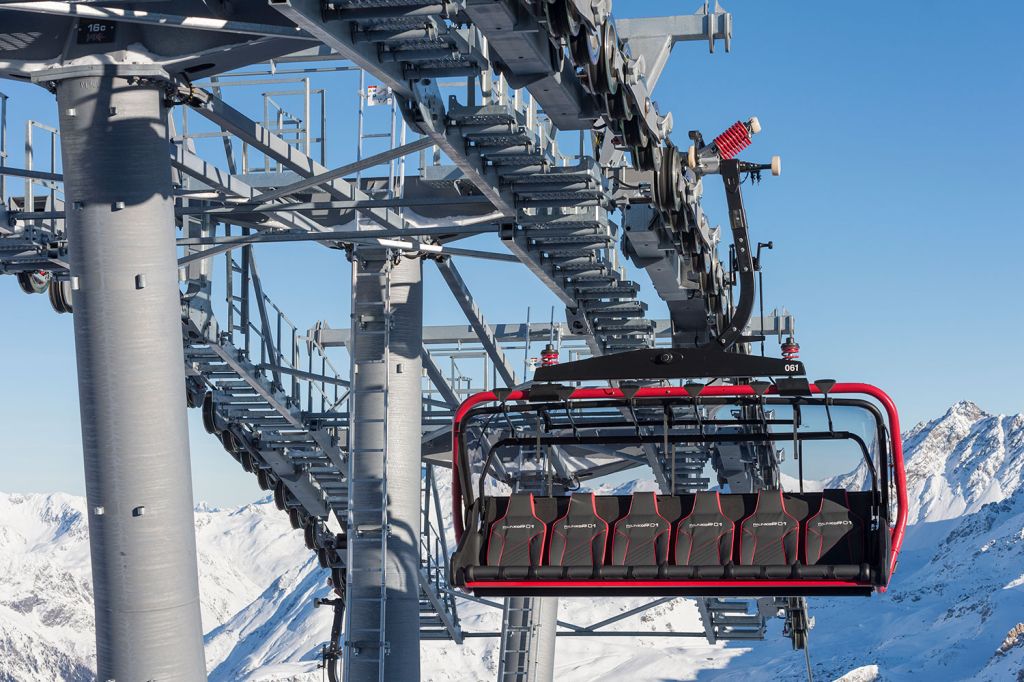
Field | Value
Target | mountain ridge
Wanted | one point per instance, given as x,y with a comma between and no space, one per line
953,611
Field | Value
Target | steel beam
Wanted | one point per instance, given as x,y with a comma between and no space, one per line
437,378
235,122
483,331
654,37
342,171
340,235
130,376
424,94
776,324
132,16
196,167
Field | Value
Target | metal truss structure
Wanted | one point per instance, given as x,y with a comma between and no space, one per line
487,93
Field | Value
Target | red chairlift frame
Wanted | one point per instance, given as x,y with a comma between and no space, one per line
731,586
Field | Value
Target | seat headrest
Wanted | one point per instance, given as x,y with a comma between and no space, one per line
834,502
520,504
770,502
581,503
706,503
644,503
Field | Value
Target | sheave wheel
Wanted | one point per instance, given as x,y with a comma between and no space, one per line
586,47
338,578
280,496
309,534
644,157
35,282
60,296
247,462
669,173
562,19
208,421
608,75
263,479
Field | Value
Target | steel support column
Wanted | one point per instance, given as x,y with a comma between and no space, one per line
528,639
382,633
127,319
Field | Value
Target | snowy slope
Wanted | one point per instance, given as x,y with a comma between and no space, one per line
954,610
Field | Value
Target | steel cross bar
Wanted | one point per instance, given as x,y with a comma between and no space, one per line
476,319
337,34
267,335
270,207
341,235
235,122
402,244
626,614
33,174
437,378
362,164
196,167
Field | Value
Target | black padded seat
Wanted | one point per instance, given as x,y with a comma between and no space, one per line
769,539
704,540
578,541
835,535
834,541
640,540
515,542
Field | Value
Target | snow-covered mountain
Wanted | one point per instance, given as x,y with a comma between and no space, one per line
955,609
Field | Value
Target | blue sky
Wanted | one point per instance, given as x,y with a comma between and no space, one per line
896,231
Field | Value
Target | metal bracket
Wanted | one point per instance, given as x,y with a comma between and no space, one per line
670,363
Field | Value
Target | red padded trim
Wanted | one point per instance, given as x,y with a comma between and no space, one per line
501,584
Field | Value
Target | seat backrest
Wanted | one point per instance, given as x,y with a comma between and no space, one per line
704,537
769,536
579,538
835,535
517,538
641,536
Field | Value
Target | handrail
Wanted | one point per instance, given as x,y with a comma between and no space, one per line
284,349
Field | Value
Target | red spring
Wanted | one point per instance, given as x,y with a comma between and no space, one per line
548,356
790,349
733,141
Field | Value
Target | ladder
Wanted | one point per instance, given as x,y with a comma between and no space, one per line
375,96
367,516
518,629
730,619
686,470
